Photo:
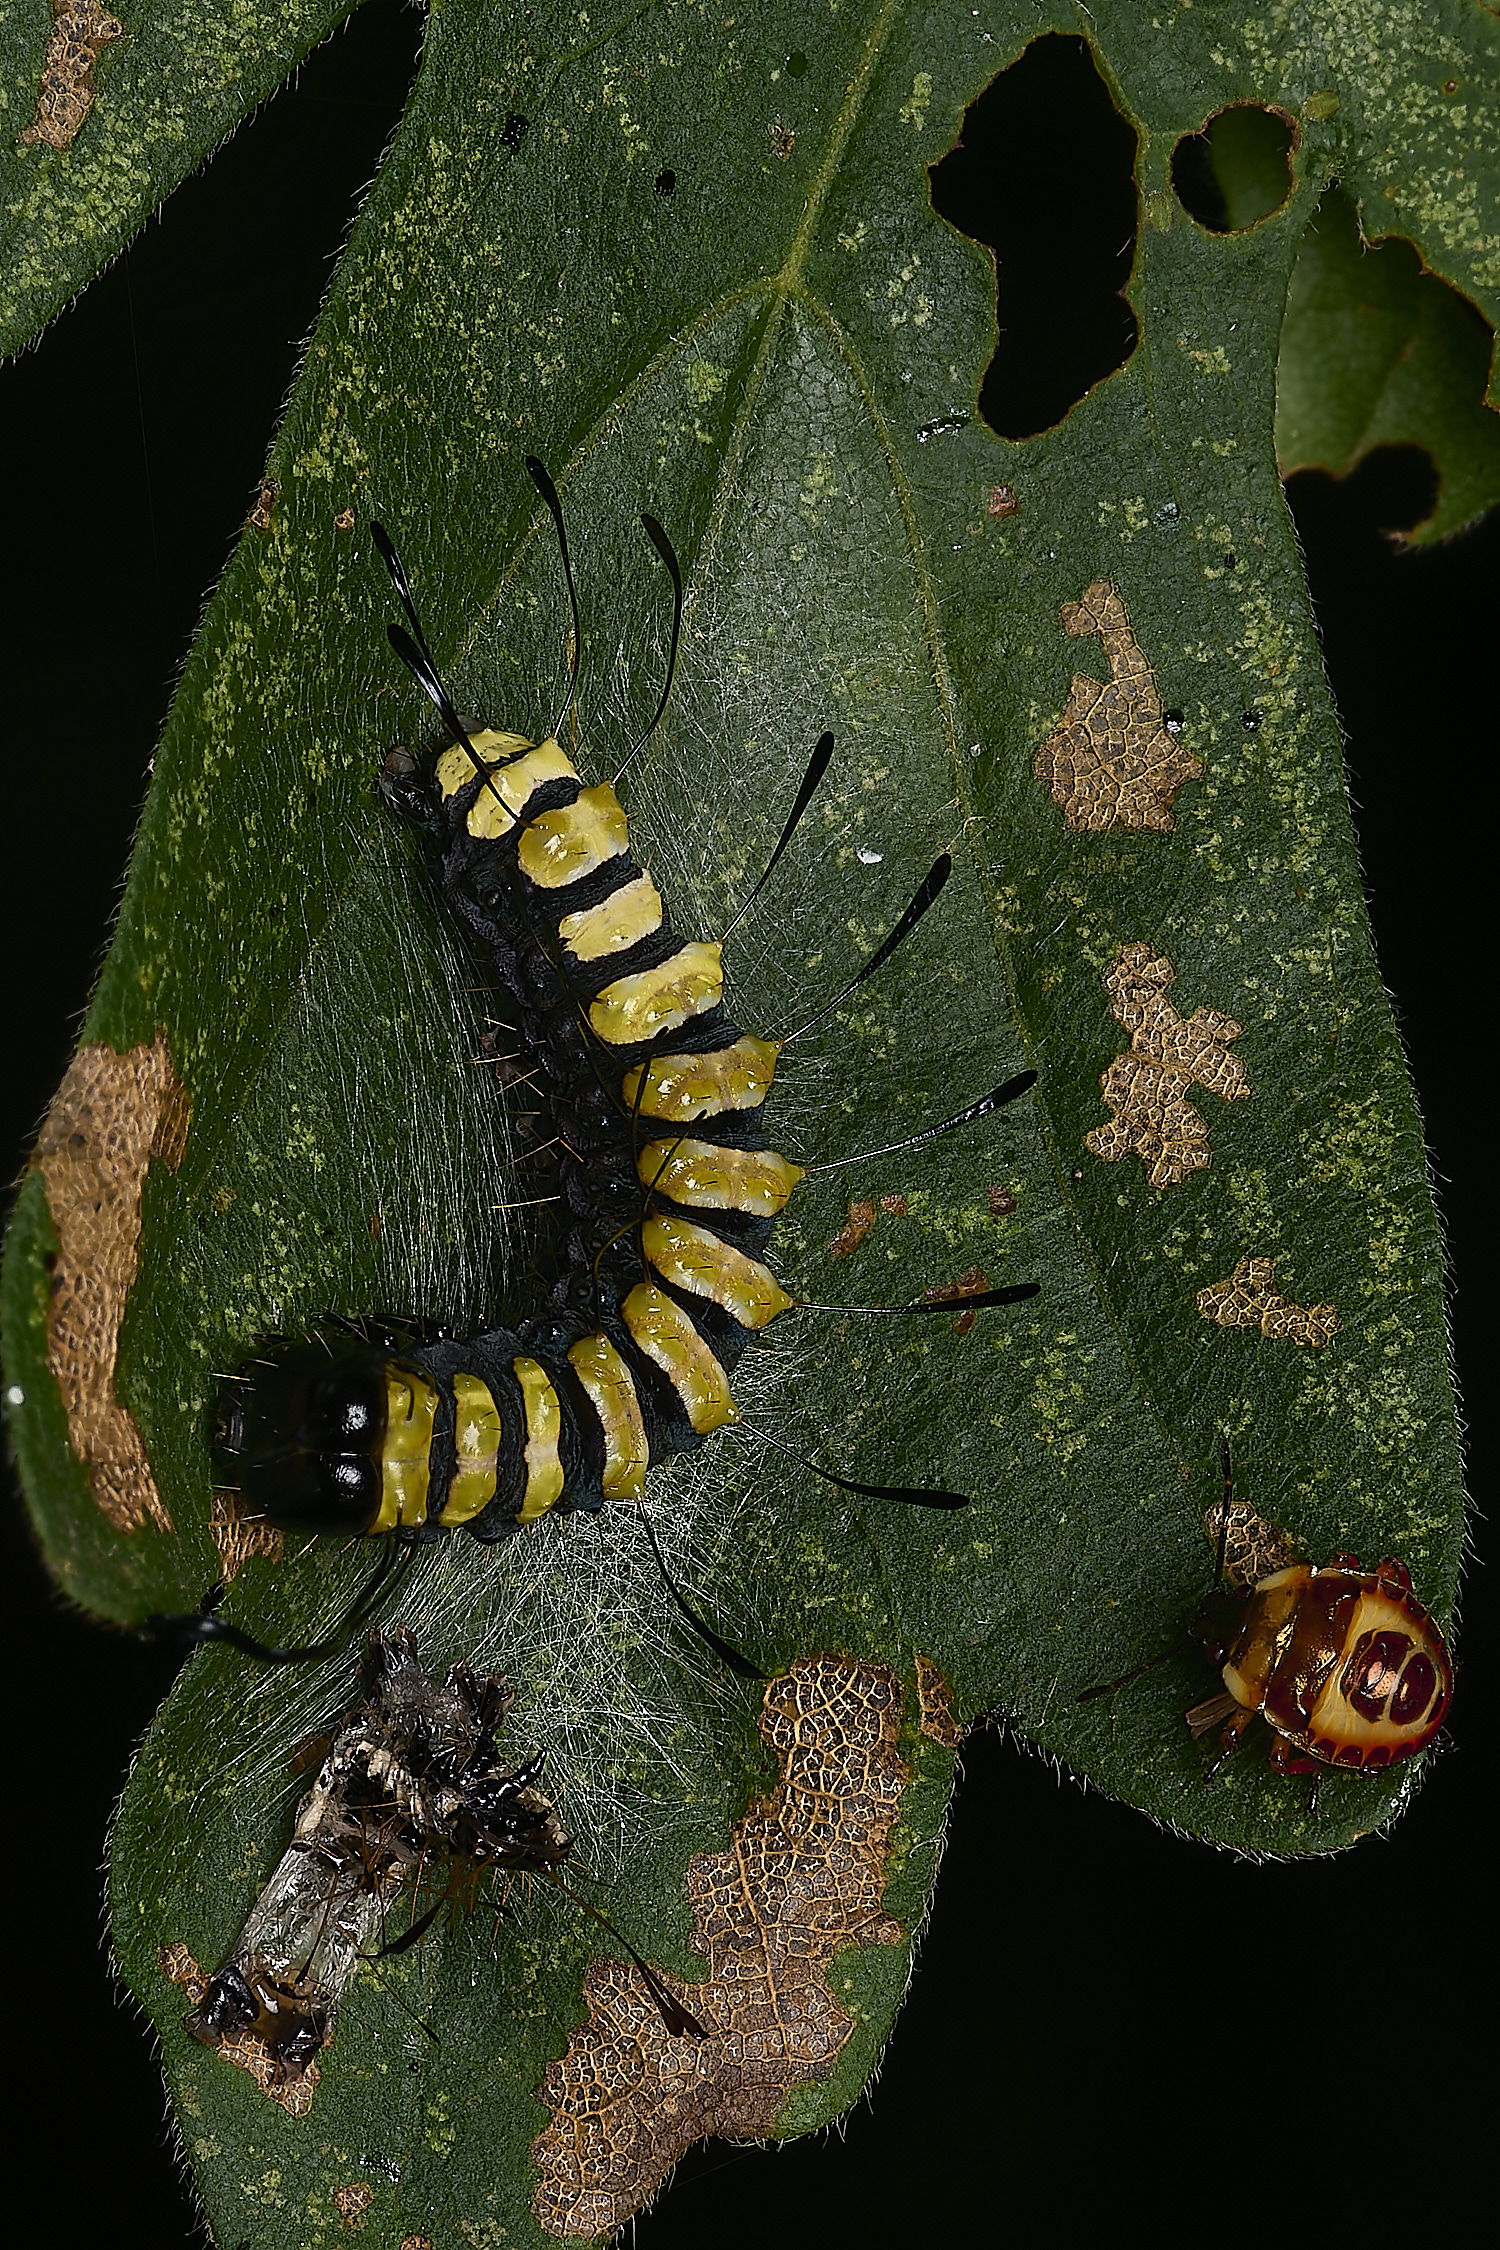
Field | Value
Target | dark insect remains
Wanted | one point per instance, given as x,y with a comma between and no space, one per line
413,1789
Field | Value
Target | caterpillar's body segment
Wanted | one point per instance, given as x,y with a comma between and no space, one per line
655,1099
662,1282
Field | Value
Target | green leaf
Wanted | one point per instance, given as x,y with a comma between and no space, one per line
779,360
159,99
1377,352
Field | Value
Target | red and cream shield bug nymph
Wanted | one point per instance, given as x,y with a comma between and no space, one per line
1345,1665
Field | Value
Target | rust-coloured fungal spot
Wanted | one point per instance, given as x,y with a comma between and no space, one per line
849,1238
1253,1548
1247,1300
353,2201
1110,761
344,520
1147,1088
803,1875
1002,500
108,1117
239,1536
66,93
783,139
894,1206
1001,1201
259,518
936,1706
295,2097
970,1284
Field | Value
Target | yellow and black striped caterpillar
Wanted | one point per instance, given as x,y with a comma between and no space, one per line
671,1186
656,1100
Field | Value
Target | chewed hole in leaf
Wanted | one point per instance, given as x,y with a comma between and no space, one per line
1376,351
1237,170
1044,174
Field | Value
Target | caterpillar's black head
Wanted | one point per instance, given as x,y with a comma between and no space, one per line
415,789
407,789
301,1433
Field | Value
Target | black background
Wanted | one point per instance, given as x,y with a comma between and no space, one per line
1110,2032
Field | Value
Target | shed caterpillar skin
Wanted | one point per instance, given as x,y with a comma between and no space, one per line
413,1786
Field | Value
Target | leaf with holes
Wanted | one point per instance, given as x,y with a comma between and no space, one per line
1376,351
712,284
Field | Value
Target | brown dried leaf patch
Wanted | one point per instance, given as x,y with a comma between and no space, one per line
1147,1088
1110,761
177,1965
1247,1300
66,93
936,1705
974,1283
804,1875
263,507
1253,1549
109,1117
239,1535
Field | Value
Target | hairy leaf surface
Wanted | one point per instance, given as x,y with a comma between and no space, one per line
779,357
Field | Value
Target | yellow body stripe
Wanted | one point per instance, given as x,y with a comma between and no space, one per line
411,1404
682,1087
544,1469
455,768
629,914
497,808
707,1178
476,1443
562,846
694,1259
607,1381
645,1005
665,1334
